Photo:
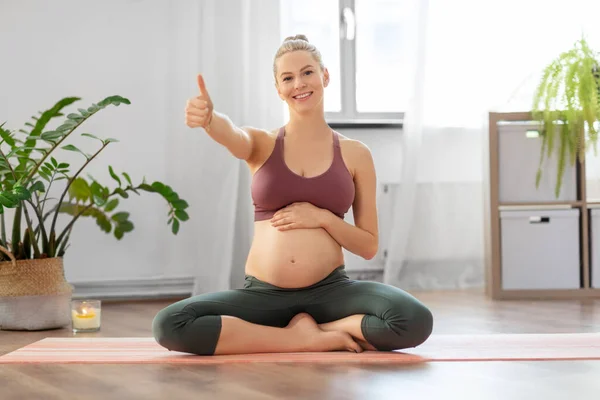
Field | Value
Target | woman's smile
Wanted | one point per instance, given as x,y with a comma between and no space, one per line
303,96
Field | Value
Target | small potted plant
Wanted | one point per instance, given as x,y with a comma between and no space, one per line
33,291
566,104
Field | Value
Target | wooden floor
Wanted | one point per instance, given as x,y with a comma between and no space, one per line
455,312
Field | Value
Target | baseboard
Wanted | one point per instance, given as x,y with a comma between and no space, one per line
134,289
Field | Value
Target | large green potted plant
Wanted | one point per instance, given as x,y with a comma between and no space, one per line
566,104
33,291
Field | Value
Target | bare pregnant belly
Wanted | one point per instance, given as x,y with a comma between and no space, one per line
292,259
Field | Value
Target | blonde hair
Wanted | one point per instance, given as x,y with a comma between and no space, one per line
296,43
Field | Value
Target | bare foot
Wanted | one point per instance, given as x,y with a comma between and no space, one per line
334,327
318,340
365,345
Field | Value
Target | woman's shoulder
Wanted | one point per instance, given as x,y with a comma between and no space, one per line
354,153
353,146
260,133
263,142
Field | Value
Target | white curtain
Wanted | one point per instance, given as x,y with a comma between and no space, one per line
233,48
471,57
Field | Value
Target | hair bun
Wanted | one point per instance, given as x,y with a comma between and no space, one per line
297,37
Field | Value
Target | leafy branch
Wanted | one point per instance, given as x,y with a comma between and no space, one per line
22,176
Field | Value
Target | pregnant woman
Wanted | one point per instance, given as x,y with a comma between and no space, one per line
297,296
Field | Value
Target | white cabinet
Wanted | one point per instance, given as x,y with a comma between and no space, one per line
540,249
519,148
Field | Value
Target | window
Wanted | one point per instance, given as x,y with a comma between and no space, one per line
362,44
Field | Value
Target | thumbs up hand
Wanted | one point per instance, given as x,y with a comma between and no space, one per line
199,109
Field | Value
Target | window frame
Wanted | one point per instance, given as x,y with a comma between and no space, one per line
349,114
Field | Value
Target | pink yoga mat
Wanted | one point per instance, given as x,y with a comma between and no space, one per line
492,347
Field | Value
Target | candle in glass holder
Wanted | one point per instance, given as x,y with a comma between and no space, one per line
85,315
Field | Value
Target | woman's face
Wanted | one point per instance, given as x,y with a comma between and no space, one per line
300,81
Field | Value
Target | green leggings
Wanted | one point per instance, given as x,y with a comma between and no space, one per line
393,318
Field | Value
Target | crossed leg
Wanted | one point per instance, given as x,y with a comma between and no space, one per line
242,321
377,316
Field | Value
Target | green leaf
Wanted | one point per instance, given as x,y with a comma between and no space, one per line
98,200
175,227
111,205
75,117
44,176
114,176
110,140
182,215
171,197
74,209
38,186
122,193
63,165
51,135
118,234
114,100
92,136
46,170
7,200
54,162
21,193
102,221
159,187
70,147
120,216
22,152
147,188
67,126
126,226
80,190
180,204
126,175
98,194
6,136
13,197
84,112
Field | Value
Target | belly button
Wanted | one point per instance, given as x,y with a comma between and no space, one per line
293,261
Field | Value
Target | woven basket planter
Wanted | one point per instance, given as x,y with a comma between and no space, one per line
34,294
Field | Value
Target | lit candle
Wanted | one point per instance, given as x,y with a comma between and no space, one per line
85,316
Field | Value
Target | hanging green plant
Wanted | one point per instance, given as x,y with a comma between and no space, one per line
566,104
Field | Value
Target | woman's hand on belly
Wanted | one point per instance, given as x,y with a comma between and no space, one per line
298,216
292,258
296,241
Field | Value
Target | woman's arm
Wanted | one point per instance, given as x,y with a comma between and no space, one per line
199,112
239,141
362,238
